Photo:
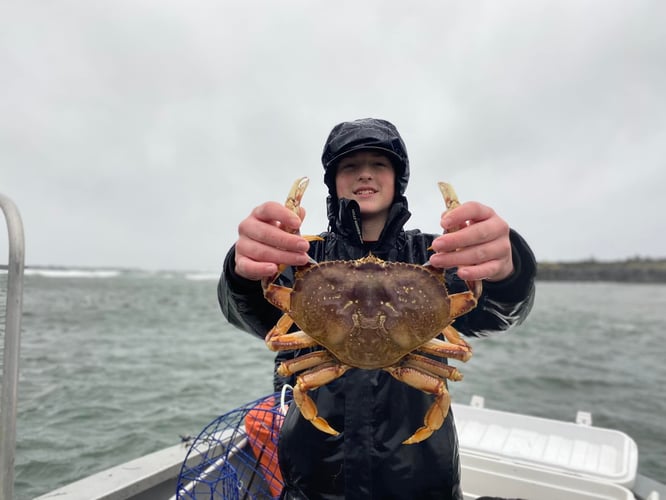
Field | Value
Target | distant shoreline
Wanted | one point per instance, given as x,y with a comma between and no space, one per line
634,270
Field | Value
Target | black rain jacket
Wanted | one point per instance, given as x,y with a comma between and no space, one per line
373,411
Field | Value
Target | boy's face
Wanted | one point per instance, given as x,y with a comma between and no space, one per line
369,178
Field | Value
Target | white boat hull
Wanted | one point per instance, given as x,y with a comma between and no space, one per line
508,470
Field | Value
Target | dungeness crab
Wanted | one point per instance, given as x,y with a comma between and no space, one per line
370,314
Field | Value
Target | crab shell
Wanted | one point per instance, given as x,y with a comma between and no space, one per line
370,313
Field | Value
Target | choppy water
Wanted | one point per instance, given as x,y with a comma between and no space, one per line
116,365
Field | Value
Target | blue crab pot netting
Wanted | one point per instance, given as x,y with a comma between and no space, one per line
235,456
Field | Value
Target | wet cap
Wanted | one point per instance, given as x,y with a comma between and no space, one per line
364,134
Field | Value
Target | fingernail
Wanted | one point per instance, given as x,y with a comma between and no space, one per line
441,242
447,224
303,246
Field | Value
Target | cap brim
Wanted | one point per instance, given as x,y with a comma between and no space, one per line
364,147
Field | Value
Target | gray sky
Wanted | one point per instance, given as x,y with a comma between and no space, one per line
138,133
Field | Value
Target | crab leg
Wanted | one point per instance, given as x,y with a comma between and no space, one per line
453,336
281,327
424,381
313,379
304,362
463,302
279,296
459,350
432,366
277,339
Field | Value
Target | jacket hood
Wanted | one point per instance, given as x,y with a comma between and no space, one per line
358,135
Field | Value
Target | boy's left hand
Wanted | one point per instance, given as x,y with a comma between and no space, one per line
480,248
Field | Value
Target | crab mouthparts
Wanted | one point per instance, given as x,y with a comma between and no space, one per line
372,323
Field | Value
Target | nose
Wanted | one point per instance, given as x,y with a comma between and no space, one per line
365,171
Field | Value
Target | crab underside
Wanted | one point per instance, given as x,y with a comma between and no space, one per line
370,314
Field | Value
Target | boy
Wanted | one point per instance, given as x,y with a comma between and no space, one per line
366,171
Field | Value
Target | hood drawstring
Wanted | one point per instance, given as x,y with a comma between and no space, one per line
356,219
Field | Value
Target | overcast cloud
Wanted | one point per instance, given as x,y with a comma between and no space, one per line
138,133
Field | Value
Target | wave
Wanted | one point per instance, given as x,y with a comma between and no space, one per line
113,273
73,273
202,276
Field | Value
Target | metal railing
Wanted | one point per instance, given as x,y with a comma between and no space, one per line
9,394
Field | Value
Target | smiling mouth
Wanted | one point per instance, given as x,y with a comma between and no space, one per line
364,191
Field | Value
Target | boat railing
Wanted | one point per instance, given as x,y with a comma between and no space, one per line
10,367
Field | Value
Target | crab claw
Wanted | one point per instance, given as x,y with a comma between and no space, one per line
449,194
293,203
451,201
295,195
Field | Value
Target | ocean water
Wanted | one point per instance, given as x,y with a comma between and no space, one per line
115,365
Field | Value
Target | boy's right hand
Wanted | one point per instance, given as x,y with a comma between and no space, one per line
269,237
